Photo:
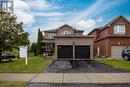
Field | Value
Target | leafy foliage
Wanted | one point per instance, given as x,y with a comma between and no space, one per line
12,34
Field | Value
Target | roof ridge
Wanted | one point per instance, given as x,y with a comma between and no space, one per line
54,30
100,28
116,19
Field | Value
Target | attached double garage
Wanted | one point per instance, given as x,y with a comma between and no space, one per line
74,47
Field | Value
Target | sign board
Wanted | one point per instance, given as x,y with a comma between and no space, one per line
23,53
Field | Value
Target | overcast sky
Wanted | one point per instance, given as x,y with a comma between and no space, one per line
81,14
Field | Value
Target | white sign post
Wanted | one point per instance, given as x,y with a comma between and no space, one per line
23,53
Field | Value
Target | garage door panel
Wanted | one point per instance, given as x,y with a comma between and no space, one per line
116,51
65,51
82,52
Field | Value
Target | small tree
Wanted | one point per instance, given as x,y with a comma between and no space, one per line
39,42
34,48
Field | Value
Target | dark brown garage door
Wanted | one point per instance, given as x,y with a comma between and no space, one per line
65,51
82,52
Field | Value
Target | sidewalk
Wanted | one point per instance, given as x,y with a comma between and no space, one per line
68,77
16,76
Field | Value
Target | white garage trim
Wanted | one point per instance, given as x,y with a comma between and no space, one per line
98,50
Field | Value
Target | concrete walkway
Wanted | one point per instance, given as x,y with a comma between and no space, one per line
68,77
16,77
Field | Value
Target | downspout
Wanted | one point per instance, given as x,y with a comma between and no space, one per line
73,50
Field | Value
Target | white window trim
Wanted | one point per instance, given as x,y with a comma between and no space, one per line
118,30
50,35
65,33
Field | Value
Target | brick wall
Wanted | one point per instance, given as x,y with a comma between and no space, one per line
118,42
119,21
105,45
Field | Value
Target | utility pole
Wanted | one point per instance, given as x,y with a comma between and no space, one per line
7,6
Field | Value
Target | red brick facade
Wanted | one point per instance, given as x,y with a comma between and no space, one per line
105,37
105,45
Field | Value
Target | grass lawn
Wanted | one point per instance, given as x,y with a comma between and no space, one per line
121,64
12,84
35,64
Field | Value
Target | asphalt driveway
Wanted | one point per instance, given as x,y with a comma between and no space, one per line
81,67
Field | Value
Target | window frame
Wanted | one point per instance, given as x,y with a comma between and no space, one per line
50,35
119,30
65,33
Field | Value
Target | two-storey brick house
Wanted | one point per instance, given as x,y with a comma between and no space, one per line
112,38
65,30
69,43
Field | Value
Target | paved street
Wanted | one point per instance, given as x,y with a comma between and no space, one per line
76,85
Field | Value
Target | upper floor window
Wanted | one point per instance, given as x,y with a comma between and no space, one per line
119,29
65,33
50,35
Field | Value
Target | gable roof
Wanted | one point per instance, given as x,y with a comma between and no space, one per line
108,24
65,25
51,31
116,19
96,29
55,30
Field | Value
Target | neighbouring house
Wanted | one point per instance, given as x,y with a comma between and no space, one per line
112,38
68,43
